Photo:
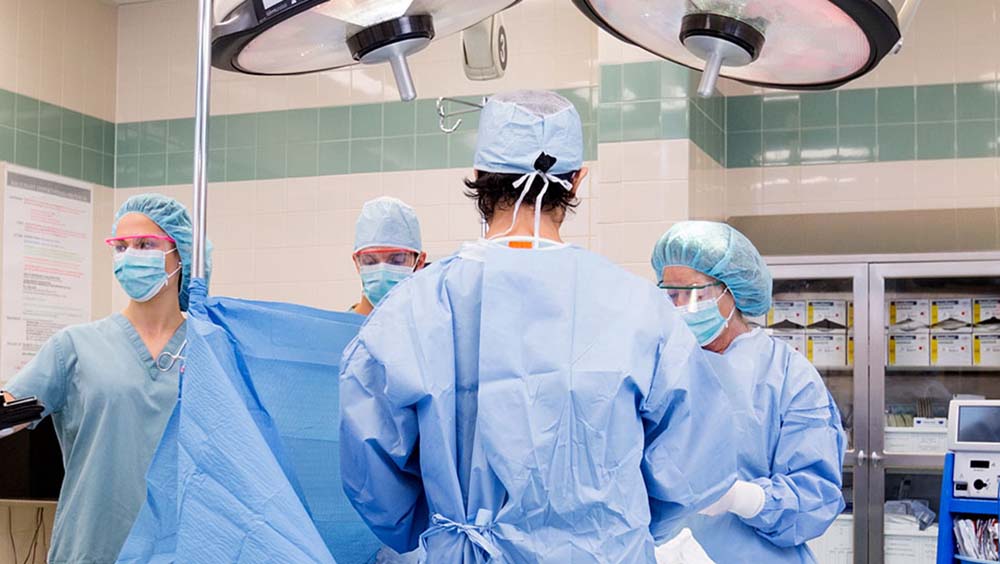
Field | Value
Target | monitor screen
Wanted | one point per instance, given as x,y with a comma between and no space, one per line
32,467
978,424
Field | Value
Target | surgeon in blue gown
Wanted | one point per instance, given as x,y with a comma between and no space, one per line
110,385
791,446
497,406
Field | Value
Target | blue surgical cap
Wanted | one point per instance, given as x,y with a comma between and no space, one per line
387,222
718,250
171,216
516,128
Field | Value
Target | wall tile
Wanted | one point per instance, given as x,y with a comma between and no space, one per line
6,143
26,149
641,120
7,108
856,107
71,163
366,121
641,81
335,123
857,144
302,159
976,139
49,155
896,105
819,109
976,100
303,125
936,102
897,142
400,119
819,145
781,111
936,141
50,121
366,155
744,113
334,157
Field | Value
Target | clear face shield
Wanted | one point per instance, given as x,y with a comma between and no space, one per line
689,298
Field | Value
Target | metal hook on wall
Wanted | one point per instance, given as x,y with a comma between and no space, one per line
445,115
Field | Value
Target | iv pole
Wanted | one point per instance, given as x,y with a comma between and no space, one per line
201,114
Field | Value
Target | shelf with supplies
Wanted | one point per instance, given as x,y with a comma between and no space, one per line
895,339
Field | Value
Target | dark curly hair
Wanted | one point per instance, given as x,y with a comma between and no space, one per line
493,191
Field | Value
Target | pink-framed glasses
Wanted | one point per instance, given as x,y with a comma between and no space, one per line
145,242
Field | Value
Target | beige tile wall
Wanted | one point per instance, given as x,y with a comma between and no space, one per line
60,51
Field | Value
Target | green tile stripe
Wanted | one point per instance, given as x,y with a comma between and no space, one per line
47,137
656,100
900,123
938,121
387,137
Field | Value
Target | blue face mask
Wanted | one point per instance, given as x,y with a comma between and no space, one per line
705,319
142,274
378,279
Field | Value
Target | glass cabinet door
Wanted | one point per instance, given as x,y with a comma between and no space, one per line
815,311
935,333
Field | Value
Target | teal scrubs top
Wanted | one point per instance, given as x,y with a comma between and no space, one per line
109,404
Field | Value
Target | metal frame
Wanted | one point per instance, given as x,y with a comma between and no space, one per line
868,459
856,458
882,461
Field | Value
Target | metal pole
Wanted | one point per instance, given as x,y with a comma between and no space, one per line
201,113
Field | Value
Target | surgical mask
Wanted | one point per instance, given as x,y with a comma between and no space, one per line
378,279
705,319
142,273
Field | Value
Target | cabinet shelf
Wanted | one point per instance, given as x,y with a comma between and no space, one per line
975,369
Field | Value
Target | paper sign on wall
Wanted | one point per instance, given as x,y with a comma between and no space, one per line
47,262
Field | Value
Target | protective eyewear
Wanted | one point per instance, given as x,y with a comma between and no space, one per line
119,245
684,295
394,257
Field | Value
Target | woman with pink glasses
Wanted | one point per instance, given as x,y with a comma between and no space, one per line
111,385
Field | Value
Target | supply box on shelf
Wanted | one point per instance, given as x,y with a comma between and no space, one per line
927,436
951,315
787,314
827,349
986,350
986,314
953,349
908,313
909,349
795,339
826,314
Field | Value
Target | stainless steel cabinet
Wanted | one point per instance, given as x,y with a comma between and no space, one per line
916,331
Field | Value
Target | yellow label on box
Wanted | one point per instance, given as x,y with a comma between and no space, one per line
850,350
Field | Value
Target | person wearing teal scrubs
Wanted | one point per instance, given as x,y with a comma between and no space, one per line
111,385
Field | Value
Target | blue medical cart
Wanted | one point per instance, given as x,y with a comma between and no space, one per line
951,507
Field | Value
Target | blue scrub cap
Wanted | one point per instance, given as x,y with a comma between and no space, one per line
718,250
387,222
171,216
517,127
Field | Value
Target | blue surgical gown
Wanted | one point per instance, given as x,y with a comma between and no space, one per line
791,445
109,404
500,404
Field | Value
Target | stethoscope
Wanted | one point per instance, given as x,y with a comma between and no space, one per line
166,361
